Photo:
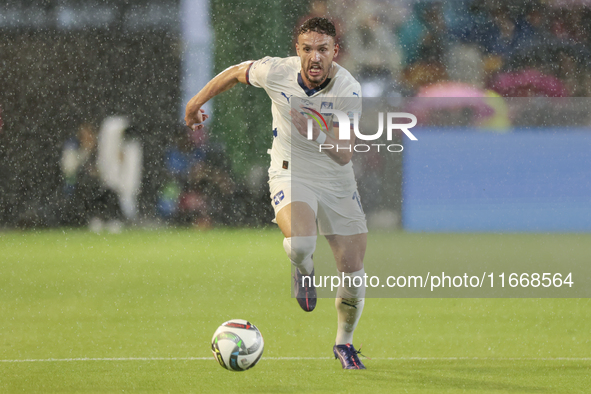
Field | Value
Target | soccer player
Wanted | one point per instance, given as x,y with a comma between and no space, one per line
321,188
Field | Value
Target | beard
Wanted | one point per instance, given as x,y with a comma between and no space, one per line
316,73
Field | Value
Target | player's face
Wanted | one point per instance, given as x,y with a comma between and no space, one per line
316,52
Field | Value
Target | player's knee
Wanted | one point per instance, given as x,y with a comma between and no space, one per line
299,249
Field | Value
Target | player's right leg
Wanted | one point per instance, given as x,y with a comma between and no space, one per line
342,221
349,251
297,221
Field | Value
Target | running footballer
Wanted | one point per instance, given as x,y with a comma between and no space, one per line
320,196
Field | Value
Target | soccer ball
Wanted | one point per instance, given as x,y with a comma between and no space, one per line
237,345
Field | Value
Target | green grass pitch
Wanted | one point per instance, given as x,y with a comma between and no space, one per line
135,312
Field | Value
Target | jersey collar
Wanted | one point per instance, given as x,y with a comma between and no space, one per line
310,92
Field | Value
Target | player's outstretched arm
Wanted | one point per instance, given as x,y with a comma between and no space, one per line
194,115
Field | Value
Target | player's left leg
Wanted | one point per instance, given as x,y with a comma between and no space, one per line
297,221
295,208
349,251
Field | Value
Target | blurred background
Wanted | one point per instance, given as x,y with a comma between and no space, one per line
93,92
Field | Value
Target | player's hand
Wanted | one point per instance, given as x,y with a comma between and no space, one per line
194,118
301,124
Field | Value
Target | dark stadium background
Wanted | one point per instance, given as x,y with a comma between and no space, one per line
53,78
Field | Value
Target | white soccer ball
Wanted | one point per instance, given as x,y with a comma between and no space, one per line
237,345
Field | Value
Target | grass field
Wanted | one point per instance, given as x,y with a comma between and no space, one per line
135,312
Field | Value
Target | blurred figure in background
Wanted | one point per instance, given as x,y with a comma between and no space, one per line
425,40
572,21
180,157
378,57
199,190
536,27
572,29
425,37
499,34
88,200
119,162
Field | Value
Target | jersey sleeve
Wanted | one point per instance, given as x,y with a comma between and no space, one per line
258,71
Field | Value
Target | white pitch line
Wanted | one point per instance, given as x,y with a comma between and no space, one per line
150,359
487,358
301,358
108,359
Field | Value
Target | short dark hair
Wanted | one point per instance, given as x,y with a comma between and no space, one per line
318,25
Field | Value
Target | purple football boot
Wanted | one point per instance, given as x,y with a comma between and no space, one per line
305,291
347,355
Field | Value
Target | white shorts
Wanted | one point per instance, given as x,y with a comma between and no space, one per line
337,208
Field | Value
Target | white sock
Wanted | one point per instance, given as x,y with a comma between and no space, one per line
300,250
349,303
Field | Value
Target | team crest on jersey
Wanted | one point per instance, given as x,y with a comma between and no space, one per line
277,198
326,105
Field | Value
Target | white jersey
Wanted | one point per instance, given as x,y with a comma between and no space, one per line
280,77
